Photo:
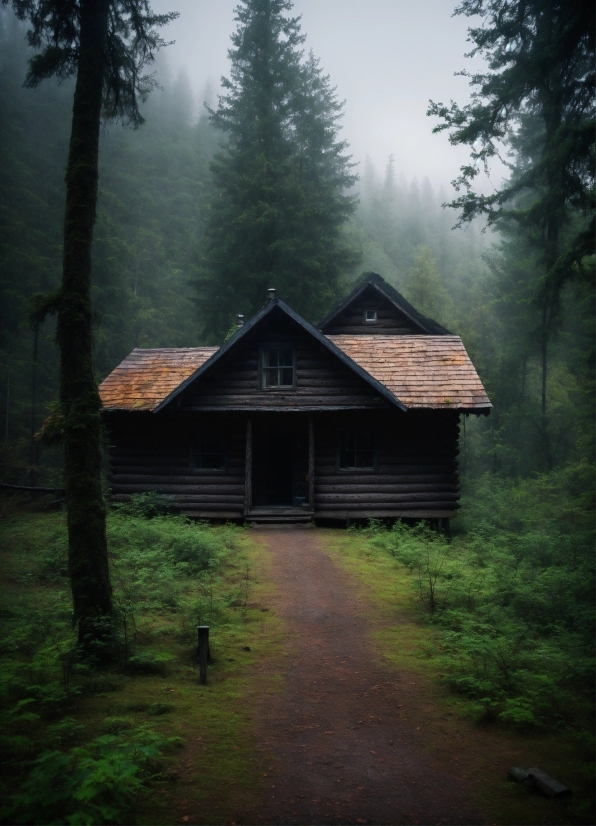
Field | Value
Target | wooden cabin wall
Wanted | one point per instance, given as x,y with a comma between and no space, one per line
153,453
322,381
390,321
416,474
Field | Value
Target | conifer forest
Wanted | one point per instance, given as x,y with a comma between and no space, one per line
138,211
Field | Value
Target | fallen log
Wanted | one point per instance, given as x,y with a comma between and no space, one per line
547,785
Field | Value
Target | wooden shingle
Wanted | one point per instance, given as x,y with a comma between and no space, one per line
421,371
146,377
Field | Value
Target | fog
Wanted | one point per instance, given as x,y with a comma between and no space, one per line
387,58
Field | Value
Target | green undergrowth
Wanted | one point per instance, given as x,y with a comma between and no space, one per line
512,600
502,614
79,745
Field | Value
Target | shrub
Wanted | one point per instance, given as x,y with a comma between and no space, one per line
96,783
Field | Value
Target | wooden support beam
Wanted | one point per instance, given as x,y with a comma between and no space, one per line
248,468
311,463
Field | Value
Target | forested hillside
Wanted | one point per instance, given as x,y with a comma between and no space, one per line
155,188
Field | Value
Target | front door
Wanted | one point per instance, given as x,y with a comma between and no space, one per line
278,472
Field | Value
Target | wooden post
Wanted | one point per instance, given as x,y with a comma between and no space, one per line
248,468
203,653
311,463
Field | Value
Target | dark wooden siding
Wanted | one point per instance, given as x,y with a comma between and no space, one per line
390,320
416,474
416,471
322,381
153,453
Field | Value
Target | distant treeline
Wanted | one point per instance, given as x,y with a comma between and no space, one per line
155,189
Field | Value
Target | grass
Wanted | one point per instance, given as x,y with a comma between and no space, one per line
188,746
409,638
170,750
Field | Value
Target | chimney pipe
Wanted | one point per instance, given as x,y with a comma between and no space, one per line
271,293
240,318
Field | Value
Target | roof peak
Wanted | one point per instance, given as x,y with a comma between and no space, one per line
373,279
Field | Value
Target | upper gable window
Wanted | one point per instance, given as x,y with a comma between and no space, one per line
277,367
370,315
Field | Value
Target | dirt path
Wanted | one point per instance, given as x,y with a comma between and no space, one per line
344,747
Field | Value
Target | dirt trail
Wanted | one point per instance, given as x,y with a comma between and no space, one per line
344,749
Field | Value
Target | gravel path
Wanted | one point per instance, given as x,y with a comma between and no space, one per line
345,748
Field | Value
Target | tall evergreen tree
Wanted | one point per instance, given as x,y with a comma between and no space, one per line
282,181
537,101
103,44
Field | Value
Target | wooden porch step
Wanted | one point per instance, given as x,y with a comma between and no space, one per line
279,515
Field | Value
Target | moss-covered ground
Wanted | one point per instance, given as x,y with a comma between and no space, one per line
168,576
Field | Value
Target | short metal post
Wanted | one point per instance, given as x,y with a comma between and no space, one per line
203,653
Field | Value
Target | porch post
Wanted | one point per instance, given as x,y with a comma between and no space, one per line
248,468
311,463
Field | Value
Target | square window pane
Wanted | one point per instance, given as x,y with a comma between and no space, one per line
287,376
285,358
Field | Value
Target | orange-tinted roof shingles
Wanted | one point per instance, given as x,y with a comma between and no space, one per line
146,377
421,371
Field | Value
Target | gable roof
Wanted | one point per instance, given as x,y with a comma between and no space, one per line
124,382
378,283
146,377
413,371
422,371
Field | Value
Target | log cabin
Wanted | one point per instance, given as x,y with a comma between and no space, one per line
356,418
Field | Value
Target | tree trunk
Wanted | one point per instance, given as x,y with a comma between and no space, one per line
79,397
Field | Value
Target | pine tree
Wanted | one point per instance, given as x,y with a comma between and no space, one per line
536,101
103,44
282,182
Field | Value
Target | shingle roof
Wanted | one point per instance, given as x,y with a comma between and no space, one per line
146,377
422,371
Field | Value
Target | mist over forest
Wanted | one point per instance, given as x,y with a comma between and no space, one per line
155,187
182,244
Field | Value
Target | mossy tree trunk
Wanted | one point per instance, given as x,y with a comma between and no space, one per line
79,397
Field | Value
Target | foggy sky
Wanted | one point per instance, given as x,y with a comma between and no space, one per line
386,57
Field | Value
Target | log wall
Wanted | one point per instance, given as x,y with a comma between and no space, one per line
153,453
322,381
416,473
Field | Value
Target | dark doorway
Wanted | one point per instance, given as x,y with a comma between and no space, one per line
280,457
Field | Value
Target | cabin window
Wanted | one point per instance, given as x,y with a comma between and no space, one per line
356,450
209,452
370,315
277,367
